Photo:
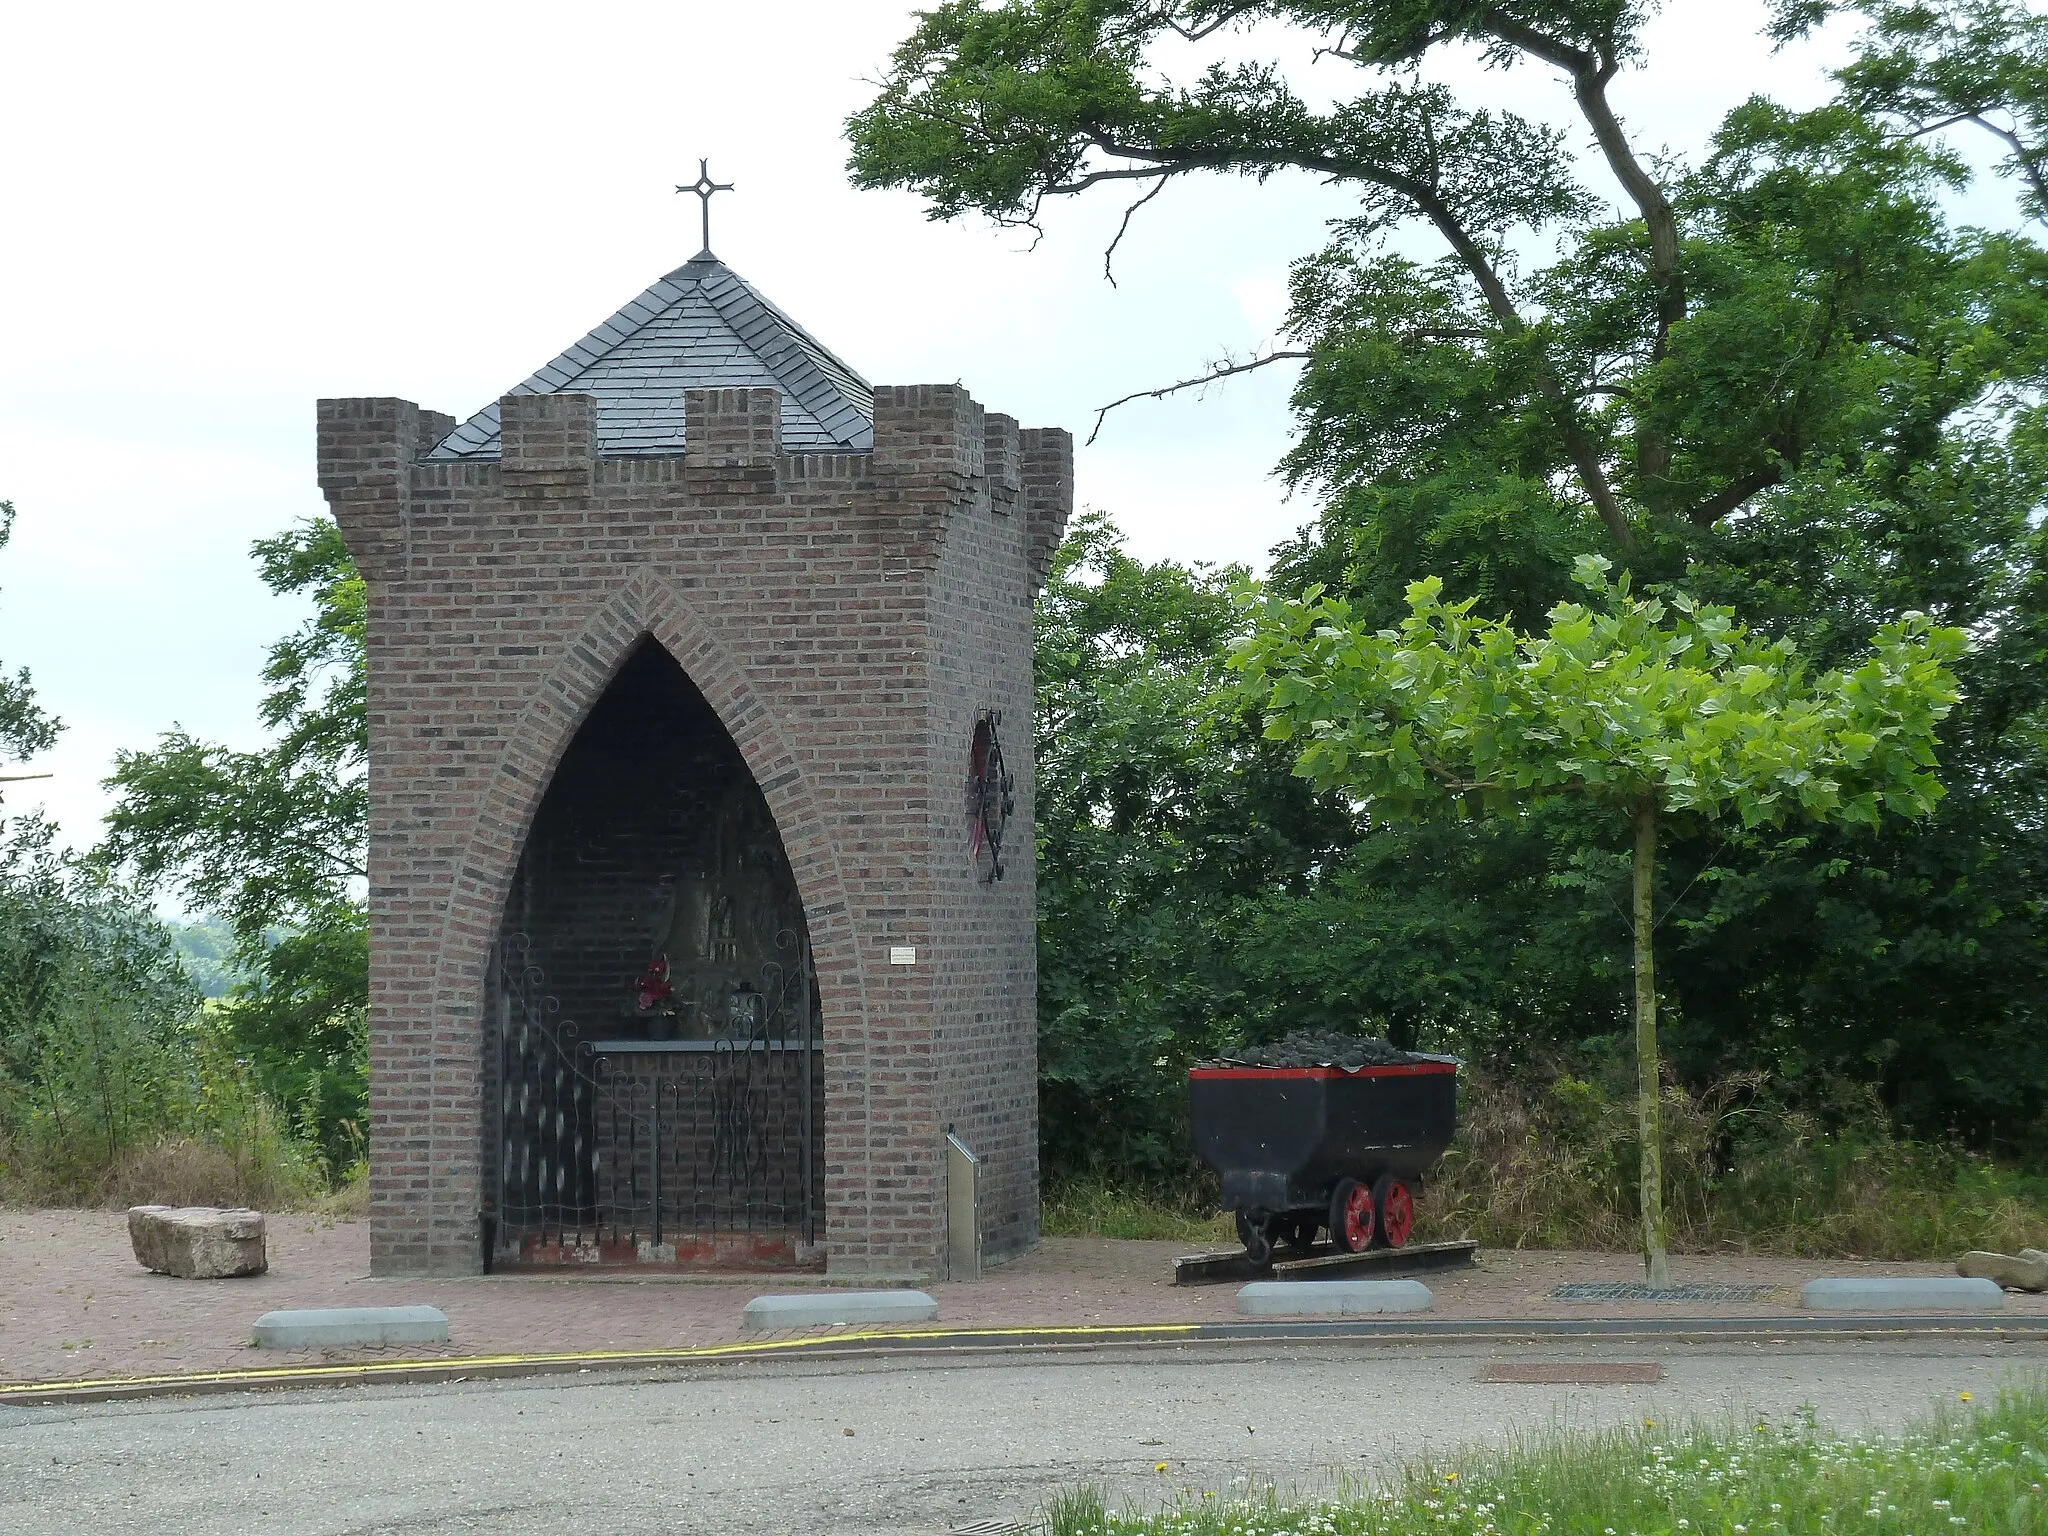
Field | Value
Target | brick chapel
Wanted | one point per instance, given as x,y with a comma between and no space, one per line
701,870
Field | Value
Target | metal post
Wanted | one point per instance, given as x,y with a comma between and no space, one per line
809,1225
656,1086
963,1210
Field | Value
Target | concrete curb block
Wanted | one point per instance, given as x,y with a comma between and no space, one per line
1901,1294
836,1309
1333,1298
341,1327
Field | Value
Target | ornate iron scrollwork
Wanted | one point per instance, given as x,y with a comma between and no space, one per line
991,795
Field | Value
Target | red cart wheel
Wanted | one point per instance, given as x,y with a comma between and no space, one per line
1396,1205
1351,1223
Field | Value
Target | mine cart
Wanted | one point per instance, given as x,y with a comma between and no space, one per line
1300,1148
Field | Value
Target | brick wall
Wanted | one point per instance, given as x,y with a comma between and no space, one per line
847,617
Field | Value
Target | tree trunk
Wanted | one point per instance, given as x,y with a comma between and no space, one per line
1656,1265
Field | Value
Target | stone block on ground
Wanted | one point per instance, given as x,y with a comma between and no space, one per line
837,1309
350,1327
1332,1298
198,1242
2026,1270
1902,1293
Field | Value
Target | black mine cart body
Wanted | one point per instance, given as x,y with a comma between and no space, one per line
1301,1148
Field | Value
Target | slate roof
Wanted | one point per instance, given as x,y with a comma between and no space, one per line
700,327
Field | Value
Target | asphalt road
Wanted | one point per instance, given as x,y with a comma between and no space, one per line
934,1445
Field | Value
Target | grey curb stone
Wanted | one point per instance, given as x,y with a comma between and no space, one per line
335,1327
1944,1293
827,1309
1332,1298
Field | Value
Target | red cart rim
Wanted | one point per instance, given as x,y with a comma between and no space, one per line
1249,1074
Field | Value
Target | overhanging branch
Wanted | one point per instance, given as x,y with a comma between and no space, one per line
1124,227
1219,371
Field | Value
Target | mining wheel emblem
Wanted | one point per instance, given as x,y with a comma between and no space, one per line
991,795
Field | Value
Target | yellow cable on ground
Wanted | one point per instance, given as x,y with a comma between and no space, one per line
285,1373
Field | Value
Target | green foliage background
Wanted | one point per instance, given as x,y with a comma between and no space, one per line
1782,375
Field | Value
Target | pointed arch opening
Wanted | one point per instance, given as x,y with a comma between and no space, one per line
655,1090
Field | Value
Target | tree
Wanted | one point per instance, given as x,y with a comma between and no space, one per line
25,728
1653,709
1825,415
1725,330
1931,65
1159,830
275,842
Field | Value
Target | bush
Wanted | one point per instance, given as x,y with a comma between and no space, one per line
116,1084
1551,1162
1548,1160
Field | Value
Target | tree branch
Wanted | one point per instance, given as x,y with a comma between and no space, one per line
17,778
1219,371
1732,495
1590,74
1223,19
1431,204
1121,173
1124,227
2028,160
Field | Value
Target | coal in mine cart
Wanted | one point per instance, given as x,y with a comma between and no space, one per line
1300,1149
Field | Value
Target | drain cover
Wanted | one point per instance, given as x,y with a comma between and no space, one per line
992,1528
1635,1290
1573,1373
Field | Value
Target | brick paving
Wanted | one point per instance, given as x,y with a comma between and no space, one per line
74,1304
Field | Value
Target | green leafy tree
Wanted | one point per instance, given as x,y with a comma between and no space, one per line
1795,376
1932,65
25,727
1652,709
98,1023
96,1016
274,841
1158,829
1722,332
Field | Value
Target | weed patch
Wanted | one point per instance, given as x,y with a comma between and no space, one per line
1961,1472
1551,1163
1093,1208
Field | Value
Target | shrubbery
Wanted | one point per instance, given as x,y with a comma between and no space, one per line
1546,1158
118,1083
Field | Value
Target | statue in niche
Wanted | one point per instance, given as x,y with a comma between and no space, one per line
723,947
716,926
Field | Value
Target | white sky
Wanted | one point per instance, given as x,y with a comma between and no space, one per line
212,214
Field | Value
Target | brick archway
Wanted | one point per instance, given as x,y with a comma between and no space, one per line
643,608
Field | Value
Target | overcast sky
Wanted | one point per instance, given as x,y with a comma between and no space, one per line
213,214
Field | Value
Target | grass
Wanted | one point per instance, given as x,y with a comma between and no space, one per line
1960,1473
1093,1208
1552,1164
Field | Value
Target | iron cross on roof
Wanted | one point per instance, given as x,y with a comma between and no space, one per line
704,186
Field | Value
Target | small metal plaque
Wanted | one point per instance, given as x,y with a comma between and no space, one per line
902,954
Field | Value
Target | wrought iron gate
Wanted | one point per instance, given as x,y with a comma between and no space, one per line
618,1150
